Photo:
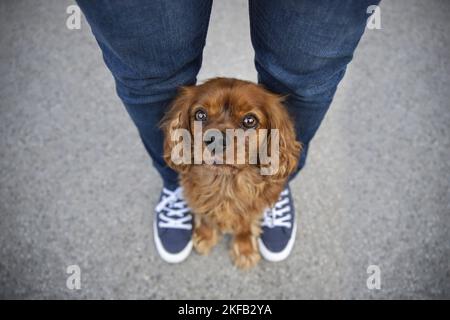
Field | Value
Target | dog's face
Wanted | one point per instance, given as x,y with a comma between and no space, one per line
221,106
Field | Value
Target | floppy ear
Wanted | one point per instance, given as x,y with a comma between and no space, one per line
177,118
289,148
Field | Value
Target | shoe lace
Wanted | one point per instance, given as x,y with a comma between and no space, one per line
173,210
279,215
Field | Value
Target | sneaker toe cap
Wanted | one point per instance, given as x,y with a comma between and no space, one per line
275,242
175,241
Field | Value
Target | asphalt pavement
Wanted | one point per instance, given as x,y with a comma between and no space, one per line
77,188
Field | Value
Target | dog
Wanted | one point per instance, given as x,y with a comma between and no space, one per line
230,197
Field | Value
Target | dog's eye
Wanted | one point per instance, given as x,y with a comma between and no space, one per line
249,121
200,115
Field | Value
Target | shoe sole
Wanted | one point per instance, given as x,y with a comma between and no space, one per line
278,256
168,256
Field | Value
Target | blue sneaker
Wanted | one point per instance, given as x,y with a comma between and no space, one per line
172,226
278,229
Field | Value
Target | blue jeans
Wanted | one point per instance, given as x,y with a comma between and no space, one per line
302,48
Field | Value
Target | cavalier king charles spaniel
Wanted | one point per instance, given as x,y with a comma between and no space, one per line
230,196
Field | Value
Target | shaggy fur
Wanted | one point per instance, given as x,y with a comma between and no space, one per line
231,198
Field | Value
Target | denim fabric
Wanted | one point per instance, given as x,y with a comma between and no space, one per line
302,48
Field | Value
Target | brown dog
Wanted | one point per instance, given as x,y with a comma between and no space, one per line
231,198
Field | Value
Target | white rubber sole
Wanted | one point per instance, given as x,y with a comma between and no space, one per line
278,256
167,256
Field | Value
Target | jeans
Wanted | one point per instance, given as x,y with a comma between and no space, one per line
152,47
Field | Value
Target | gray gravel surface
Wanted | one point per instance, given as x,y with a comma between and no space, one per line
76,186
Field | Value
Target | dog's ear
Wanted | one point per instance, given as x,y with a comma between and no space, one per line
175,119
288,151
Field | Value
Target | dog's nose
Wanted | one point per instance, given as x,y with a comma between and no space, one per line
211,140
215,141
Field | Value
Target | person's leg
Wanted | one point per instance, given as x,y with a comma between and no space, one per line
302,48
151,48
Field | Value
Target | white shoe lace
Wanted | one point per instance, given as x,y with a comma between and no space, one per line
279,215
172,210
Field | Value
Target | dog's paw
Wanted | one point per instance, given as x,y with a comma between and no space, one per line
204,240
243,257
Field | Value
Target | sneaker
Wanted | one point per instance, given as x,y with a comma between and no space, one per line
278,229
172,226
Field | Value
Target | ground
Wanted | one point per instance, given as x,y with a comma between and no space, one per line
77,188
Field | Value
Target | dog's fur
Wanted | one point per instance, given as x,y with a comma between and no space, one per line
231,198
